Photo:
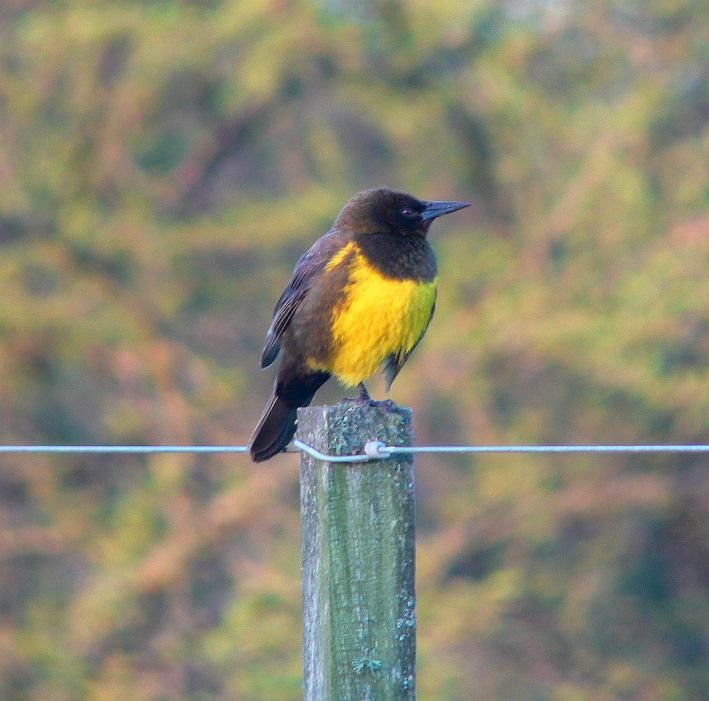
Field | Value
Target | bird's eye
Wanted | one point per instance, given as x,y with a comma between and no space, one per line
408,213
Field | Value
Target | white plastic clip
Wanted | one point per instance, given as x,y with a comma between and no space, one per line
375,450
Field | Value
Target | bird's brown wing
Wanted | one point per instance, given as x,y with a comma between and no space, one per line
394,362
310,264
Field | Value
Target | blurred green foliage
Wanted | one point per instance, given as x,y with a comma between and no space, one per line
163,164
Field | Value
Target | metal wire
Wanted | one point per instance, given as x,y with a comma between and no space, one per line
547,449
124,449
373,450
331,458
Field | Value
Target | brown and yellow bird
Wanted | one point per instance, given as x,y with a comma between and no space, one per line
361,297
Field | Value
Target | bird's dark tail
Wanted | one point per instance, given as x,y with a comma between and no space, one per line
276,426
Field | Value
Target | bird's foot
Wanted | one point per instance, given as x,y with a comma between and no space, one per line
362,398
365,399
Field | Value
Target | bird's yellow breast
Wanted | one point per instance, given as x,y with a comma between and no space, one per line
376,316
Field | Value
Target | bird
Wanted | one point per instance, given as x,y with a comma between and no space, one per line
360,298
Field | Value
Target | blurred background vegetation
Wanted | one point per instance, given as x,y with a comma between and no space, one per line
162,166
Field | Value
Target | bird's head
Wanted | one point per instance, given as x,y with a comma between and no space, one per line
386,211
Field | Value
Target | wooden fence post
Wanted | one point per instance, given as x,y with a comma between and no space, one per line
358,556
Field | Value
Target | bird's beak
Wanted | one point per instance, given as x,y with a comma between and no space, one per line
436,209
